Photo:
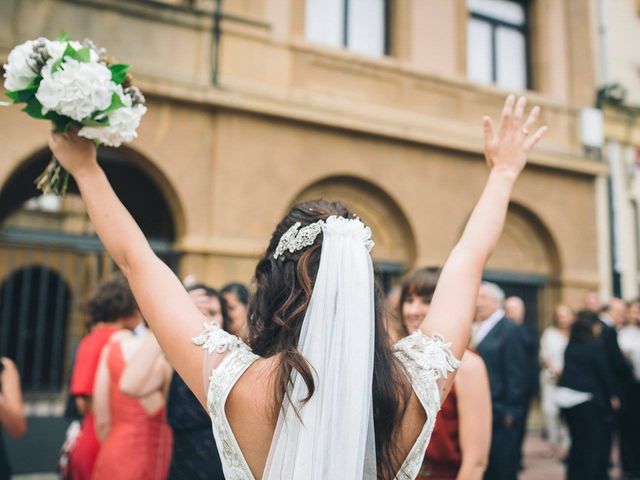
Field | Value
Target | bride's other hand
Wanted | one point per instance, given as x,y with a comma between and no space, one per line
507,149
74,153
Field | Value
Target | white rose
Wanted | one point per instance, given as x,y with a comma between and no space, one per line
17,72
77,89
122,127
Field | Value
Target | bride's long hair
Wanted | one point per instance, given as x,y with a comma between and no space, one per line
283,289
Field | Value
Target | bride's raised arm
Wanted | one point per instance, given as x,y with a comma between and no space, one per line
454,301
162,299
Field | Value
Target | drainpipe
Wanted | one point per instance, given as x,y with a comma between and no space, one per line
215,42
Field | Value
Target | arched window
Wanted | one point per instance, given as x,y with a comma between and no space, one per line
34,306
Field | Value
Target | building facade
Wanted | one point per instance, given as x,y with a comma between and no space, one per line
619,99
255,105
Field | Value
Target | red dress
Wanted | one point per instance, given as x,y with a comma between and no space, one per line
444,457
138,446
85,450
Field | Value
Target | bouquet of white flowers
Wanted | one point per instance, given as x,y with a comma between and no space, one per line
73,83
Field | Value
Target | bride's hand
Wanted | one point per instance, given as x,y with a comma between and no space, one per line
507,150
74,153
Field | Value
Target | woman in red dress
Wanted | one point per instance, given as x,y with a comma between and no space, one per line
459,446
137,438
110,308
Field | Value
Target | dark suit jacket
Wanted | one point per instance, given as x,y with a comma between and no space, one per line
587,369
530,341
622,372
505,356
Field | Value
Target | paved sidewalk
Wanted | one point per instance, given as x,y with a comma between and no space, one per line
539,466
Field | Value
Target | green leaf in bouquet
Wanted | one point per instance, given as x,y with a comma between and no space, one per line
34,109
68,52
62,124
103,122
116,103
63,37
20,96
84,55
118,72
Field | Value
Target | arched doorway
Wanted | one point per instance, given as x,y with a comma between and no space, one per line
394,249
526,263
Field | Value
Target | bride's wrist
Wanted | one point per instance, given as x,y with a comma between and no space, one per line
87,171
504,175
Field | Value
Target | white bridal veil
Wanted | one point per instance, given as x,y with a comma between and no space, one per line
333,436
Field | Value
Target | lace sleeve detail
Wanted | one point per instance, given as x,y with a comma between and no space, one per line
216,345
213,339
430,355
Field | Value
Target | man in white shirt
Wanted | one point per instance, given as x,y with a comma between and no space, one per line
499,342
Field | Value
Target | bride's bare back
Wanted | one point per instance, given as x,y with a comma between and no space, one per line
250,412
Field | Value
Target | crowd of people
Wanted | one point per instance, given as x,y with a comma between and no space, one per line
138,419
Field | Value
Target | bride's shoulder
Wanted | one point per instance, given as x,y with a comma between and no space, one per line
429,355
214,339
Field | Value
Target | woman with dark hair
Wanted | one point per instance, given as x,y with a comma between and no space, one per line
110,308
12,421
586,394
321,394
237,298
459,446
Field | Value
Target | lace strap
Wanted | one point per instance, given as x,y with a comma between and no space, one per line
430,356
216,345
213,339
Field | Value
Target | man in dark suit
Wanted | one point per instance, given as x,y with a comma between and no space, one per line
499,342
515,310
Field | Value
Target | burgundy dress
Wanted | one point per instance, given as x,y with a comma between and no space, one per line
138,446
443,457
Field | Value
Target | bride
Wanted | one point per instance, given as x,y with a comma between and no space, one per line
319,394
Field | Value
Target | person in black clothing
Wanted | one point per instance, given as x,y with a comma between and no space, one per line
588,384
12,419
499,342
195,456
611,317
515,309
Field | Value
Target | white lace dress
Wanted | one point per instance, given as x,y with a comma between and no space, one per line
426,359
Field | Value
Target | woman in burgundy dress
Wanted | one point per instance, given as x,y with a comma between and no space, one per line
459,447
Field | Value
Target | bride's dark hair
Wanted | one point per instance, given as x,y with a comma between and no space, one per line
282,294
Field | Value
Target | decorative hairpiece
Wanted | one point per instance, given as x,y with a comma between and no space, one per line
297,238
294,239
